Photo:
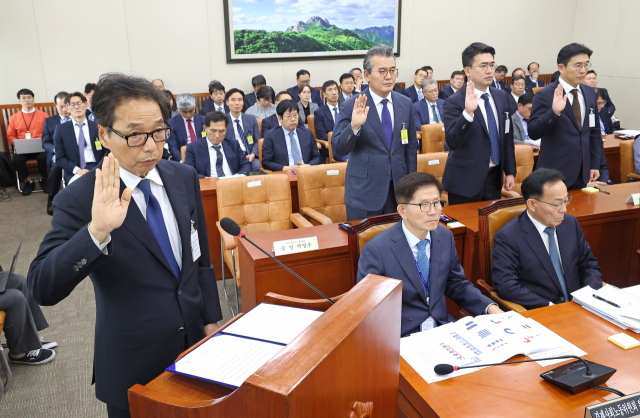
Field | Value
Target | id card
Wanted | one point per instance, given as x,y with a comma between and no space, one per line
98,146
27,135
195,244
592,119
507,125
250,139
405,137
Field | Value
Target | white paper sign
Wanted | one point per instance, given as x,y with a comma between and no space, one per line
443,129
293,246
434,162
254,183
333,172
634,198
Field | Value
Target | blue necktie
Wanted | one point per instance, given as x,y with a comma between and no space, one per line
420,95
157,225
219,169
493,130
555,259
295,151
386,123
423,265
242,136
81,144
335,115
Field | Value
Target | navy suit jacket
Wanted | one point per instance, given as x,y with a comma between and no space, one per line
49,128
178,137
468,161
424,113
274,149
563,147
197,156
446,91
605,117
316,97
529,85
513,105
67,154
144,317
324,124
269,123
412,93
341,98
522,269
498,83
250,128
389,254
372,164
208,106
609,105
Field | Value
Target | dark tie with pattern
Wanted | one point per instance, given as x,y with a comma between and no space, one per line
435,114
242,136
219,169
81,144
493,130
576,108
192,133
387,127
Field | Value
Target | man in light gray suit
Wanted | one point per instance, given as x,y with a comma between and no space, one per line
377,130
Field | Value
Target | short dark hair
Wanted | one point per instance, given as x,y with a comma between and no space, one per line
232,91
216,116
409,185
514,71
421,69
302,88
600,94
569,51
555,76
285,105
170,97
302,72
356,68
345,76
25,92
115,88
67,99
525,99
60,95
216,85
501,69
427,67
282,93
529,66
89,87
592,72
330,83
455,73
265,92
533,186
258,80
474,49
516,78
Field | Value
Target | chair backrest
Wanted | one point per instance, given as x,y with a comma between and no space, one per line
311,119
524,165
331,159
403,85
321,187
434,163
321,94
491,218
536,89
627,164
260,127
363,232
257,203
432,138
260,141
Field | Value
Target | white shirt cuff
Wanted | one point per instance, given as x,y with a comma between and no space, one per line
467,117
76,169
486,311
357,131
102,247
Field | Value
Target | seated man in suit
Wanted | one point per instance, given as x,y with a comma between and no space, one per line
498,77
272,121
216,102
50,125
606,127
359,81
187,126
215,157
250,99
422,253
304,77
514,73
518,87
591,79
533,80
347,85
429,110
89,89
455,84
415,92
327,115
540,257
520,121
291,146
243,128
78,149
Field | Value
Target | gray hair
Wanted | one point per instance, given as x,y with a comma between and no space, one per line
377,51
185,101
427,83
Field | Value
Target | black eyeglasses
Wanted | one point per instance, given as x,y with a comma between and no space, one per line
138,139
426,207
558,205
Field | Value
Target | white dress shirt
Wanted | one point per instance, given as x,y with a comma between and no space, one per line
157,188
567,89
454,89
496,84
235,130
345,96
186,126
535,82
217,108
331,110
213,158
88,150
287,139
379,106
484,114
516,98
432,109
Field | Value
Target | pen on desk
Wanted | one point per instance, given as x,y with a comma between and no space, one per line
606,301
603,191
293,172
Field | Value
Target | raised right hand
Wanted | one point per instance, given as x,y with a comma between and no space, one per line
559,99
109,209
470,99
360,112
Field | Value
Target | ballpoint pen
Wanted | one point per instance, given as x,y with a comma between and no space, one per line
606,301
603,191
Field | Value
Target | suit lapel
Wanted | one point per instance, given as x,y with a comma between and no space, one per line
374,119
72,142
204,154
564,248
230,156
500,110
434,261
534,240
426,109
302,140
281,147
403,254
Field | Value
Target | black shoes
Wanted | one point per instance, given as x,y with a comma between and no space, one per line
50,206
35,357
28,187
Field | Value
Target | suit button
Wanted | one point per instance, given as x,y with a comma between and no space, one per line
179,292
84,261
562,300
75,268
79,264
388,174
180,329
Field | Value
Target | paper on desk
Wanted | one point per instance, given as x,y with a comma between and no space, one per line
280,324
227,359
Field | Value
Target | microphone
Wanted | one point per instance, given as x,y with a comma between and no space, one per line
442,369
232,228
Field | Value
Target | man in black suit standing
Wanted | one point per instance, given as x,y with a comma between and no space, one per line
457,80
250,99
49,128
137,228
216,102
565,117
477,131
415,92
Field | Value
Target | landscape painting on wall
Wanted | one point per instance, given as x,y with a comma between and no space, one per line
258,30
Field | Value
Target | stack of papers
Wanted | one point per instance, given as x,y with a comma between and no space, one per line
233,355
620,307
482,340
627,134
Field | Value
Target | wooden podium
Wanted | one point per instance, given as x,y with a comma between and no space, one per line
345,365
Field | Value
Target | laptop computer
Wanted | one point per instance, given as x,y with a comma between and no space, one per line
28,146
4,275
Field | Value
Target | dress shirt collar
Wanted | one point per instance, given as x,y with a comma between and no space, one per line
516,98
377,99
412,239
332,106
568,87
131,180
31,111
216,107
84,120
521,118
540,227
453,88
63,119
287,132
186,120
210,144
345,96
430,103
480,93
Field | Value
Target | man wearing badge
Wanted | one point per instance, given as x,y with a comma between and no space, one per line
135,225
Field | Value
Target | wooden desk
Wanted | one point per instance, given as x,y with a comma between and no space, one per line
210,204
327,268
517,390
611,227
